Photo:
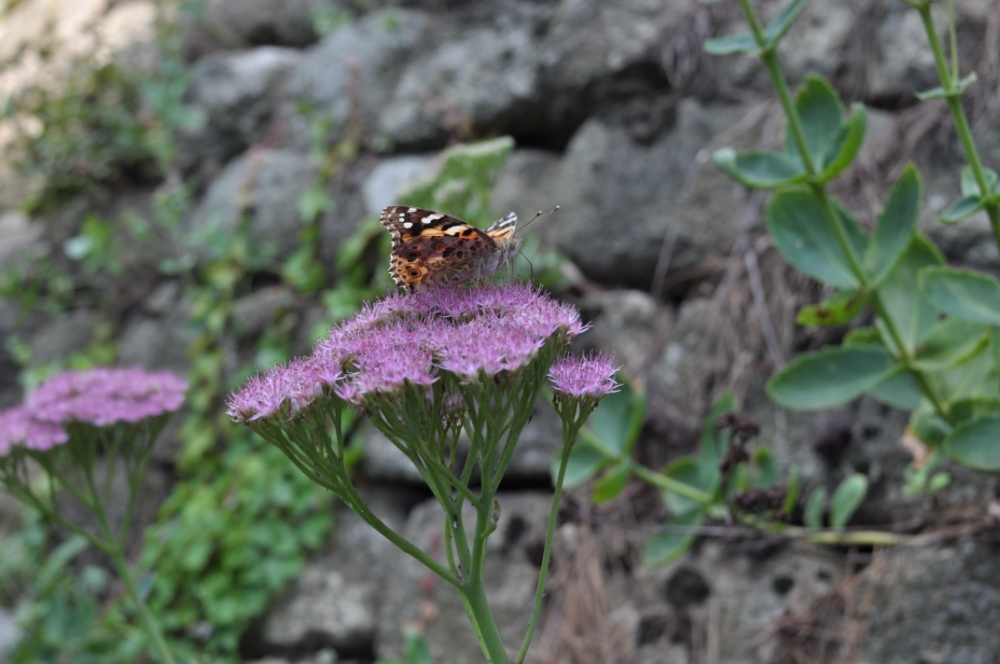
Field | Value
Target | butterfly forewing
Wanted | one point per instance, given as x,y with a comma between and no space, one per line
432,247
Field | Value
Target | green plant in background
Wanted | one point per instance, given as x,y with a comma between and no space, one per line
935,348
723,481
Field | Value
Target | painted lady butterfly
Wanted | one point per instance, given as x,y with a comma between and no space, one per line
432,248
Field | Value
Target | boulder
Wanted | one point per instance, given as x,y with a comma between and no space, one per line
238,94
347,79
620,198
262,185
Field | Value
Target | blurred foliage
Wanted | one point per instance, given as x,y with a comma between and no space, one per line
241,521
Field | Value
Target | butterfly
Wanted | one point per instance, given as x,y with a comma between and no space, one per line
435,248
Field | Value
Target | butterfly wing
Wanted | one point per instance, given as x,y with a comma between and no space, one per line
431,247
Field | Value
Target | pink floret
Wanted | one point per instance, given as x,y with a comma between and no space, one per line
19,427
104,396
592,376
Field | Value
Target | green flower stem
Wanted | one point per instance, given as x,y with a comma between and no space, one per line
948,82
819,192
148,621
569,435
670,484
357,504
474,598
110,544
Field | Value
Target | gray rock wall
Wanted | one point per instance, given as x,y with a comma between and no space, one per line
615,110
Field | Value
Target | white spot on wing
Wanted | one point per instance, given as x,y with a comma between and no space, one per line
408,224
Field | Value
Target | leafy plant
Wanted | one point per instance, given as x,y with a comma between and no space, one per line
722,481
933,348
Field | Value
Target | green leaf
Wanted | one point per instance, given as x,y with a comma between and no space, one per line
837,310
964,294
778,27
964,410
804,238
767,468
668,546
927,426
966,206
759,168
699,474
616,423
896,225
812,516
830,377
901,391
970,187
972,378
910,311
863,336
743,42
995,346
792,492
940,93
313,202
612,482
846,499
949,343
821,112
584,462
845,145
976,443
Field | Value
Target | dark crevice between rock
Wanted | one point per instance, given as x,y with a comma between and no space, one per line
252,647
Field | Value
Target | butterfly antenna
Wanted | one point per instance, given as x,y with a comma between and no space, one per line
537,216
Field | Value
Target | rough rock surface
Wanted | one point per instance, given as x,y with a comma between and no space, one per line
417,596
951,592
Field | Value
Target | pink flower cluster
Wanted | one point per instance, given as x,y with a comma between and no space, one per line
101,397
592,376
18,427
409,339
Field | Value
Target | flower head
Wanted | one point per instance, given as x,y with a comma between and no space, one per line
104,396
592,376
19,427
410,339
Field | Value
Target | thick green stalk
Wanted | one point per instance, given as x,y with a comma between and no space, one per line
474,588
948,82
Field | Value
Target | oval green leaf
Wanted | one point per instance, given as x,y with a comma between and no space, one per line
759,168
966,206
802,235
670,545
976,443
846,499
837,310
911,312
964,294
830,377
612,482
821,113
896,225
845,145
812,516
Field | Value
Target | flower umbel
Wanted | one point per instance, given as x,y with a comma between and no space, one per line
592,376
18,427
83,428
103,396
424,368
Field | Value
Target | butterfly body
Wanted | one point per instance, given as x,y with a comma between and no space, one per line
432,248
